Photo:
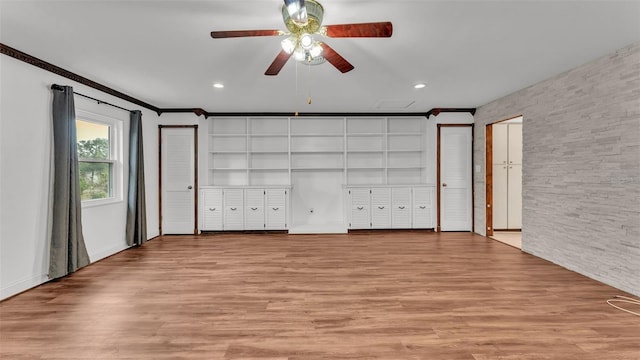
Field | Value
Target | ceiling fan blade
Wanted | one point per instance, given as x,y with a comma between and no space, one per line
278,63
335,59
376,29
244,33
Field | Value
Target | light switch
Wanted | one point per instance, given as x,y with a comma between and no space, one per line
477,168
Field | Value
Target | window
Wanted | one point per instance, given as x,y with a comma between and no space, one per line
97,159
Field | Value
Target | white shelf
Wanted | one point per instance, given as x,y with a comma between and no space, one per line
267,150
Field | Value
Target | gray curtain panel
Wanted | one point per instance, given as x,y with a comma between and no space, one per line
136,207
68,252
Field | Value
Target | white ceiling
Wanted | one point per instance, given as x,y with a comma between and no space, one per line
467,52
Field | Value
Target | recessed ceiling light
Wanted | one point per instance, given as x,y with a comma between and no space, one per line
419,86
218,85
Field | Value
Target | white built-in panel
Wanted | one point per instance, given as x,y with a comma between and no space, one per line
401,208
380,208
499,134
233,209
254,209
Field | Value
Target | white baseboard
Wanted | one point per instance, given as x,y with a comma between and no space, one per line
22,285
319,229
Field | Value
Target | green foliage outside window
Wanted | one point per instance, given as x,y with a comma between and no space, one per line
94,164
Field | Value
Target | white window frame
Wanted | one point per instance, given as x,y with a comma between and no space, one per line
116,152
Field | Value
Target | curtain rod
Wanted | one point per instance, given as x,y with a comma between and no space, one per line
59,87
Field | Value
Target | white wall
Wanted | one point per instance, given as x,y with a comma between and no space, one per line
25,120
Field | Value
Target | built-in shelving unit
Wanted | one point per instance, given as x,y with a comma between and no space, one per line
266,150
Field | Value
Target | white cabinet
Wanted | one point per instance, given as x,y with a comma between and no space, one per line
390,207
359,203
507,176
423,207
380,208
276,205
254,210
211,209
243,208
401,213
233,209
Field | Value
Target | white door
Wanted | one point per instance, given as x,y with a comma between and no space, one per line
514,219
360,200
178,181
380,208
401,212
233,209
211,209
254,209
455,178
422,207
276,204
500,196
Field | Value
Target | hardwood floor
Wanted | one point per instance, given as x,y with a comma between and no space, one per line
374,295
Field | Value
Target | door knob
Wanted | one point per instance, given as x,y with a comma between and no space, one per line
189,187
444,185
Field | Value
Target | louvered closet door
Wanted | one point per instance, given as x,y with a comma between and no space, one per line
360,202
276,205
381,208
401,208
455,178
423,201
212,209
233,209
254,209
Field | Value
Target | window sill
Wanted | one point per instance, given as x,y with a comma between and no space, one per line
100,202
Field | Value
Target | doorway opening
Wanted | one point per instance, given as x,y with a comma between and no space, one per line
504,181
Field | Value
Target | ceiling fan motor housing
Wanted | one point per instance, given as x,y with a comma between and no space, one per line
315,12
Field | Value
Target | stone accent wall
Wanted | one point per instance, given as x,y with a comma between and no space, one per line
581,167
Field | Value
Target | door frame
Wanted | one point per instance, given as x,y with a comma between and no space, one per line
489,172
438,183
195,173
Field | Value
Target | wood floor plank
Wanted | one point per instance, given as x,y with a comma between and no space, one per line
370,295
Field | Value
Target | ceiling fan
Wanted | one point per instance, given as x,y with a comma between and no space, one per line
303,20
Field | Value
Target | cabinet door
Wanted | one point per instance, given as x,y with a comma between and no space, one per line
381,208
233,209
514,202
359,201
500,134
211,209
401,208
254,209
423,203
500,196
276,205
515,143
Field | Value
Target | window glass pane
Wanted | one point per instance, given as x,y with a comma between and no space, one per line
93,140
95,180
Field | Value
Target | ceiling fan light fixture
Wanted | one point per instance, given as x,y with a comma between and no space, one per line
316,50
289,44
306,41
